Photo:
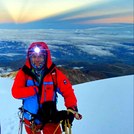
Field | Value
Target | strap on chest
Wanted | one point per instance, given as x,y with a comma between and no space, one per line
29,72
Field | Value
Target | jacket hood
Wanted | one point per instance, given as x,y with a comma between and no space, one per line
44,46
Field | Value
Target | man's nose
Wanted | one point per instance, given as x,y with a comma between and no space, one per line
37,58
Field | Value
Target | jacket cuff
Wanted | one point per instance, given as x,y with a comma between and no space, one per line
74,108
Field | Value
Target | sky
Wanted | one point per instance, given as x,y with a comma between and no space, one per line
63,13
106,106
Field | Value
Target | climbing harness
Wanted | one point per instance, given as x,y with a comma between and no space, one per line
64,123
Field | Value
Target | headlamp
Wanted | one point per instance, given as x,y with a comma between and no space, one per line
36,49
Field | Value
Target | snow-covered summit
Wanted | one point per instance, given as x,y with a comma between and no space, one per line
106,106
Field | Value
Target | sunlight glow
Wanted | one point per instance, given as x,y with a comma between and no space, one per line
20,11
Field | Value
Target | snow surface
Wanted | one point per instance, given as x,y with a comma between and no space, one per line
106,106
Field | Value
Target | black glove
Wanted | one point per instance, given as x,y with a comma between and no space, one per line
70,115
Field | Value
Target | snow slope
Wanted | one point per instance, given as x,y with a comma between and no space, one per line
106,106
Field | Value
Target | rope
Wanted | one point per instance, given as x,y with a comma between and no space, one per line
66,132
20,114
69,126
57,127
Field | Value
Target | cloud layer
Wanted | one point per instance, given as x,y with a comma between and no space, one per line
97,41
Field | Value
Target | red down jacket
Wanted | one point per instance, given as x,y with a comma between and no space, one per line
24,88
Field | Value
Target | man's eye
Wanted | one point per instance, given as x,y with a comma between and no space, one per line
34,57
41,56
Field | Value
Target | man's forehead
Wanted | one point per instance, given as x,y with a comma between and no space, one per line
37,54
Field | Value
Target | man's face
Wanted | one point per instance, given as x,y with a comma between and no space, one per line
37,59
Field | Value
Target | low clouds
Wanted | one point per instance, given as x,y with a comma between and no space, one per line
96,50
96,41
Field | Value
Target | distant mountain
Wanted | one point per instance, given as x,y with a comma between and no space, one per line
78,75
77,65
75,76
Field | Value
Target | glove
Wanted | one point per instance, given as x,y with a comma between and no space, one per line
74,111
71,114
68,117
68,121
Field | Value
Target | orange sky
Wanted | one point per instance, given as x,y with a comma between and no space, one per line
127,19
